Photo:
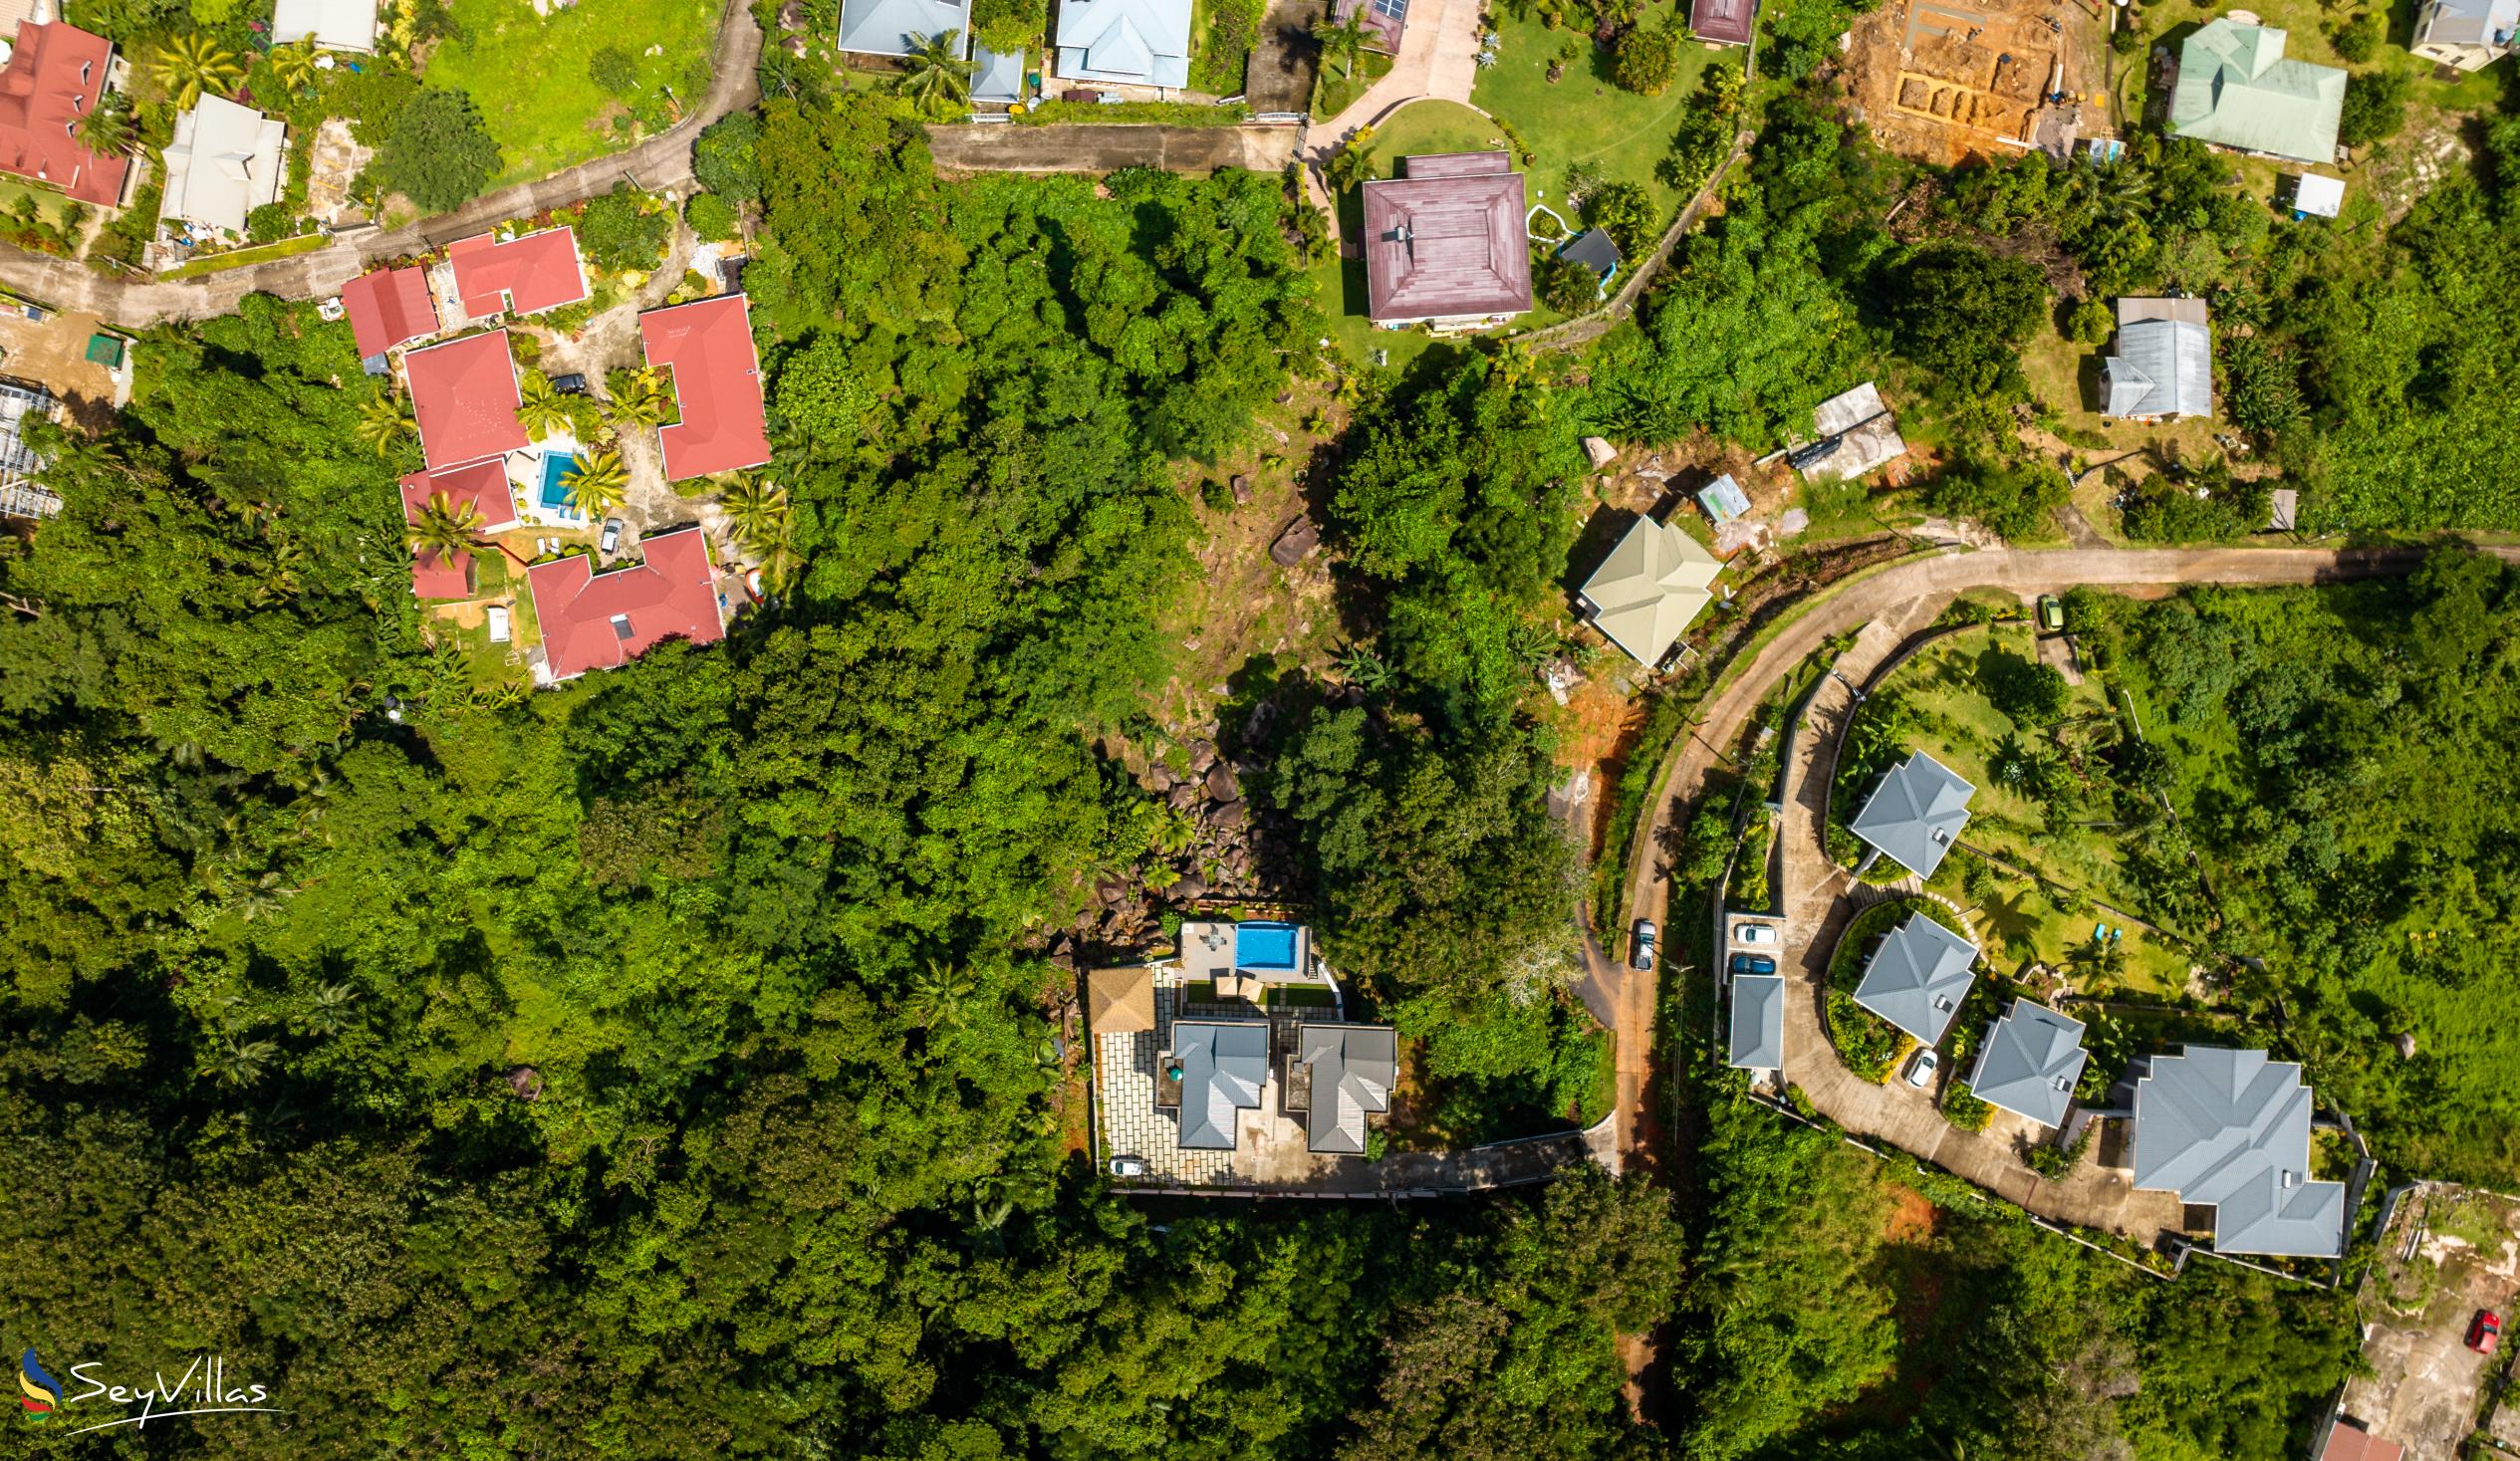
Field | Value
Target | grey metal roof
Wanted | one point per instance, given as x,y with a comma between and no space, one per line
225,161
1223,1065
1758,1022
1723,499
1651,585
1353,1067
884,27
2030,1062
1593,249
2468,23
1854,432
1140,42
1000,76
2164,367
2230,1130
1917,812
1918,977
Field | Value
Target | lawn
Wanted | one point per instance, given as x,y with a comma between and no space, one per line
532,76
1333,89
303,243
49,205
1582,117
2049,918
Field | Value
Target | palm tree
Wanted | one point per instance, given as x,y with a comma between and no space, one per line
639,396
938,78
382,422
594,483
235,1064
1353,164
191,64
108,130
1343,41
446,531
757,509
292,65
545,413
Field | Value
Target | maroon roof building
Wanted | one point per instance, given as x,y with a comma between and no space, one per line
1445,242
1725,22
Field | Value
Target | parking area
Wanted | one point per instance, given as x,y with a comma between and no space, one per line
2449,1252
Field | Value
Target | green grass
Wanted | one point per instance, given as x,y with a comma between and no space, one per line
1332,89
49,205
305,243
529,73
1431,126
1584,116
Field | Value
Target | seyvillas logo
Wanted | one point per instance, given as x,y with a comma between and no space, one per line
203,1388
39,1393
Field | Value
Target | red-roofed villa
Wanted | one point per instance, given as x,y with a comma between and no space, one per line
591,621
387,308
716,385
522,276
57,74
1445,243
464,395
483,487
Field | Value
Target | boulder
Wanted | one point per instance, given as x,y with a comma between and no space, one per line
1184,797
2407,1047
1222,784
1295,542
526,1083
1203,756
1602,452
1229,814
1189,889
1242,488
1158,776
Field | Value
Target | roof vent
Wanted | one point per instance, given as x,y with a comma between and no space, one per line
621,626
2291,1180
1942,1001
2064,1085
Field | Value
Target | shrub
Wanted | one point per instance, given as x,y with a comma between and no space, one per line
1232,27
710,216
2164,511
2031,692
2375,107
270,223
2357,40
1005,25
722,159
440,154
1966,1109
2053,1161
2090,321
1566,286
619,232
1645,61
2015,501
614,69
1627,211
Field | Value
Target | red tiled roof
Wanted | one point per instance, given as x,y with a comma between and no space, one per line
527,275
717,383
484,487
388,307
599,622
1727,21
55,76
465,394
1447,240
2350,1442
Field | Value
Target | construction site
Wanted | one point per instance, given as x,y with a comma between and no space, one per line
1941,81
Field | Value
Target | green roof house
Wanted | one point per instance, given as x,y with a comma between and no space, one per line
2236,91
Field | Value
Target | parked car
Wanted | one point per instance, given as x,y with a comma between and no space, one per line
1640,951
1921,1069
570,384
2050,612
2484,1332
1128,1166
1754,933
612,536
1753,964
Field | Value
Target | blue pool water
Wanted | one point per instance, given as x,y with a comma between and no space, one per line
1264,945
554,497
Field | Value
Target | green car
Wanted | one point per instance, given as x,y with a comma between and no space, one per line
2050,614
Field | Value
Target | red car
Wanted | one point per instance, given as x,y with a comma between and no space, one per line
2485,1332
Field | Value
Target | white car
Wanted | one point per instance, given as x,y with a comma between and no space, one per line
1128,1166
1921,1069
1761,933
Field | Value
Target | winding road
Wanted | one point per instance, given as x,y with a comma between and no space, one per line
1886,603
661,161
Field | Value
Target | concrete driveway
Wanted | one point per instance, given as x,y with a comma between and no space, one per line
1091,147
2426,1386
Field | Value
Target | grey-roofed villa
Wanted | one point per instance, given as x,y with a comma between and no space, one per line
1651,585
884,27
2229,1130
1223,1065
1915,813
1341,1074
1917,977
2030,1062
2164,364
1757,1026
1128,43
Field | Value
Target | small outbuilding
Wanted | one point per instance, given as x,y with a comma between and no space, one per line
2316,195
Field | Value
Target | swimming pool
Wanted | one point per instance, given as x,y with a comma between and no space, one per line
554,497
1264,945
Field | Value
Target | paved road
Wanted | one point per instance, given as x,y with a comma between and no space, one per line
1095,147
1438,57
663,160
1907,595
